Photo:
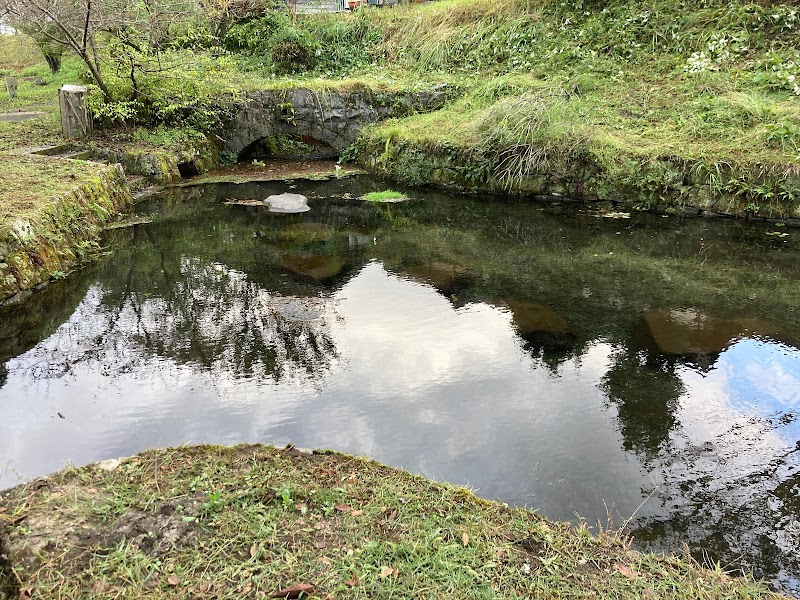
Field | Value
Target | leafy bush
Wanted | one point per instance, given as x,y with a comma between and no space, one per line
347,43
258,36
293,51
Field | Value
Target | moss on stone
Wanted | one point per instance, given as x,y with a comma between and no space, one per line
51,231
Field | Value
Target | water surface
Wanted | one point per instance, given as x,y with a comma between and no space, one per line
644,370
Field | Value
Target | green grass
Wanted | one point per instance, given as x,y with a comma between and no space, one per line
385,196
210,522
30,183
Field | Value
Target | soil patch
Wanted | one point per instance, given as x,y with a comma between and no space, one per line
16,117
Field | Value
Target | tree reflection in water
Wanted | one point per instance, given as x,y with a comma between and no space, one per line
212,317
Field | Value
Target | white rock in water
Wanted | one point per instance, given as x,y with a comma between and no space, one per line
287,203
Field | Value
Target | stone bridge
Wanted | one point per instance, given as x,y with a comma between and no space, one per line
328,120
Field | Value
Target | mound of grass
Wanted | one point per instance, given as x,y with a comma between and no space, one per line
255,521
385,196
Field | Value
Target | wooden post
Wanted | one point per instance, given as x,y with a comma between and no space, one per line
76,120
11,86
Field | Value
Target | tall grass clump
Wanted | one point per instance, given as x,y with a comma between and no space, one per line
463,36
529,135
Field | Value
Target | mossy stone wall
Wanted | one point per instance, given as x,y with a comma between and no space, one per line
58,235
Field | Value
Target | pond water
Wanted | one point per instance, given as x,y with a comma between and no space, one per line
642,370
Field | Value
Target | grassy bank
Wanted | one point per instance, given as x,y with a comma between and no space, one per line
623,100
667,102
250,521
51,215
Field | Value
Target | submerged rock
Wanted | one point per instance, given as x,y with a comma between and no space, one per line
318,268
307,232
287,203
531,318
689,331
445,277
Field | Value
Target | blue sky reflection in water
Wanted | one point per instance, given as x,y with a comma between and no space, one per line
561,386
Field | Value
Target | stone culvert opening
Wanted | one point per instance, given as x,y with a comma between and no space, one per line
188,169
289,147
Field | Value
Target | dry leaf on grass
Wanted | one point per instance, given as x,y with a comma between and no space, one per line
624,569
294,591
386,571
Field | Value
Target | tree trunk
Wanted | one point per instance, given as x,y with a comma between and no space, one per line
54,62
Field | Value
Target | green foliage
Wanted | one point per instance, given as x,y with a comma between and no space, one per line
347,43
276,41
293,51
258,36
213,505
785,135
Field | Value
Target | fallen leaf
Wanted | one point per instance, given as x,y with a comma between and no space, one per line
325,561
465,538
301,506
203,587
385,572
624,569
320,544
319,525
173,580
383,509
352,582
294,591
253,549
393,515
500,552
356,513
343,508
245,573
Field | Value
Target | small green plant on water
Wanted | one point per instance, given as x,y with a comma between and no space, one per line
385,196
56,275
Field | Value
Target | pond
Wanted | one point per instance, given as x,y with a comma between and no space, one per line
627,369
